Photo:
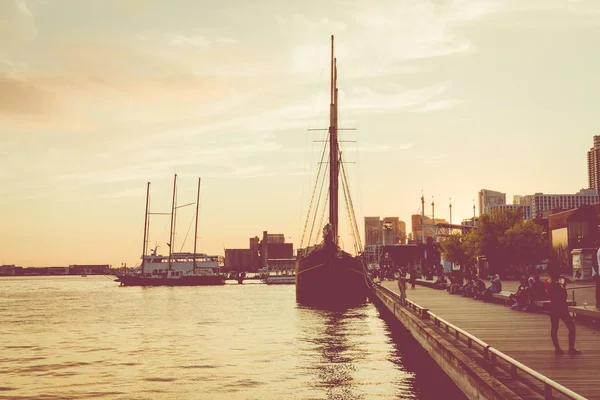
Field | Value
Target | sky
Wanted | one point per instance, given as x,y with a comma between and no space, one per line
447,97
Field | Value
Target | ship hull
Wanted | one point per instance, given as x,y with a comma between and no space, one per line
132,280
330,277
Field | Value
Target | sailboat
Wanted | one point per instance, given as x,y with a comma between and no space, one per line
176,269
327,275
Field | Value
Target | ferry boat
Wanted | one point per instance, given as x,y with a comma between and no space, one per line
327,275
278,278
174,269
180,269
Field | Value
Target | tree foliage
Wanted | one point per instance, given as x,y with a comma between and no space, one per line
524,243
455,251
505,239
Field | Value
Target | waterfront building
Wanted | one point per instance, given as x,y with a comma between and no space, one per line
272,246
389,230
524,209
489,198
573,229
428,225
543,205
593,159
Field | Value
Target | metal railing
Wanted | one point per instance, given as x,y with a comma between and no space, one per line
578,287
489,353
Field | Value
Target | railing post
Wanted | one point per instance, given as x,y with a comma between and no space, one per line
547,391
486,352
425,313
513,371
469,342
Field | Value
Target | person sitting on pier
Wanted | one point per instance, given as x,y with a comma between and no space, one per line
479,288
455,285
440,282
468,289
521,296
556,288
495,287
537,289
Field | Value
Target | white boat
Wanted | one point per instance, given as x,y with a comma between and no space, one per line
174,269
279,277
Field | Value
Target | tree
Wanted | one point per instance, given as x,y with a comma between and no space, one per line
484,240
524,245
455,251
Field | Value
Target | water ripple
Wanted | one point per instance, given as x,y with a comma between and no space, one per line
98,340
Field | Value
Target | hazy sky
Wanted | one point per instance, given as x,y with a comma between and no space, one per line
448,97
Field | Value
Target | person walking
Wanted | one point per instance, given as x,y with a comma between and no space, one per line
402,284
413,276
556,288
596,275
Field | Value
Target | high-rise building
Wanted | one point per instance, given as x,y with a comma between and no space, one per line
544,204
372,231
417,226
389,230
490,198
593,157
524,209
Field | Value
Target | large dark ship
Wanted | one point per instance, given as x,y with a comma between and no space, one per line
327,275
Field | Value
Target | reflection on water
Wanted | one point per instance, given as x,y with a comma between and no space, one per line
73,337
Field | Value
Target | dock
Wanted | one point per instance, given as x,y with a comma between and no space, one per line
521,336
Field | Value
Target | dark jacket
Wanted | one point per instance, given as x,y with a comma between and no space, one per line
557,295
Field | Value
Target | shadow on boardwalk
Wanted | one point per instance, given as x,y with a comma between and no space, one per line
520,335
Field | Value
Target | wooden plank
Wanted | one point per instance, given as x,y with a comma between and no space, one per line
520,335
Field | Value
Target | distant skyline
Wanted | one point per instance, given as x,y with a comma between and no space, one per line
448,97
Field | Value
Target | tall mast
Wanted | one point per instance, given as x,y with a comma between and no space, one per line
145,228
196,227
172,220
333,150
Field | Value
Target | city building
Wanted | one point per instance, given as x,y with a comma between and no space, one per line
417,227
259,253
543,205
10,270
489,198
573,229
593,158
524,209
389,230
372,231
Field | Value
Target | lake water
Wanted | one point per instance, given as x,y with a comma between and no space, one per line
87,337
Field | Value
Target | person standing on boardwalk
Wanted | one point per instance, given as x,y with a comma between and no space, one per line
413,276
596,275
402,283
556,288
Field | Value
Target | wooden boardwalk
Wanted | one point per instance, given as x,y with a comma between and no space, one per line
523,336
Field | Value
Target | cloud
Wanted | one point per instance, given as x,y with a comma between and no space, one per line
432,159
17,24
389,38
439,105
19,97
378,148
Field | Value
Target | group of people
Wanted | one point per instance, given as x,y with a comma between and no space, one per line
530,289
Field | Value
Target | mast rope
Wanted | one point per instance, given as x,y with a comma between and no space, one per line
350,209
321,222
186,235
312,200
